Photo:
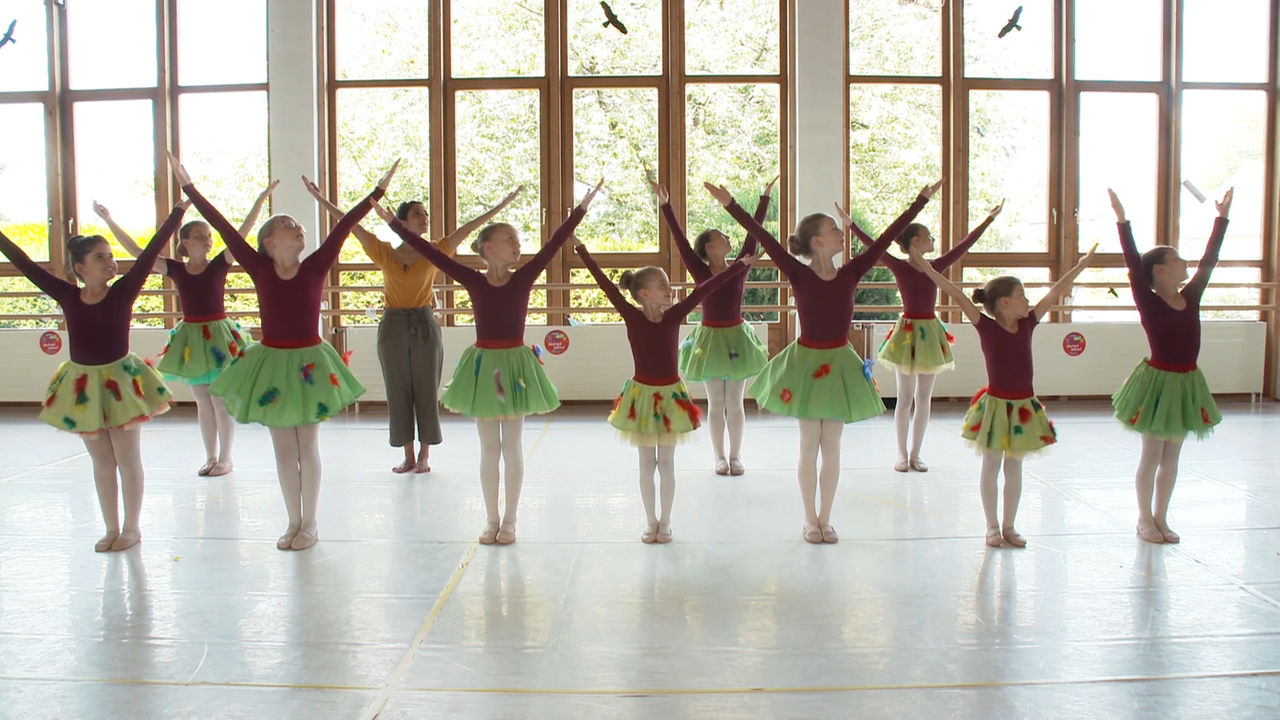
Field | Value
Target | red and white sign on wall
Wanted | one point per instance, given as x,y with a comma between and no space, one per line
556,342
1073,344
51,343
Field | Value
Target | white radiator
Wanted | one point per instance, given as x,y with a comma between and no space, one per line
1231,357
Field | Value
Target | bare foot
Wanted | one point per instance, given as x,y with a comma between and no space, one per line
1013,537
220,469
993,537
1150,533
104,545
404,467
127,539
424,462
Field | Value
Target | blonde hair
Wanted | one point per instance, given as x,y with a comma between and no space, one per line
635,280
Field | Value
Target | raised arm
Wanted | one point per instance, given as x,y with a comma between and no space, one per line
1063,285
453,239
611,290
700,293
442,260
327,254
953,291
787,265
751,245
368,240
864,261
124,239
696,265
52,285
542,258
1209,261
242,251
1138,280
957,252
131,283
252,217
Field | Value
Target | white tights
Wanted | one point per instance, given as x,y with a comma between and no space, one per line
112,451
724,409
819,437
1157,473
298,466
501,440
991,462
914,392
663,459
215,424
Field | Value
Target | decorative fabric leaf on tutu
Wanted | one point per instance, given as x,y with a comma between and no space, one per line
537,353
822,371
334,381
684,403
219,357
268,397
1134,420
686,343
131,368
1008,409
733,354
785,395
164,350
909,326
476,371
886,337
657,402
518,386
204,330
978,396
924,333
631,412
151,363
346,357
233,348
162,391
306,373
48,402
68,423
113,387
868,364
617,403
186,354
322,412
976,428
137,389
1035,405
1048,439
1204,416
1018,430
951,338
82,384
1024,415
666,423
497,381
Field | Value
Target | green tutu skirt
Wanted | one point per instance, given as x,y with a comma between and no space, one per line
818,384
653,415
722,353
917,347
198,352
87,399
287,387
1166,405
496,384
1015,427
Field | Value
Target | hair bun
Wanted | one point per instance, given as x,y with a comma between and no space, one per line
795,245
980,296
628,280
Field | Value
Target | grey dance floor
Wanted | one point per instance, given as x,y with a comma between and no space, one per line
397,611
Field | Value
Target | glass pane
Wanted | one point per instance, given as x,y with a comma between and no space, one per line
731,37
224,140
895,149
112,44
1119,41
496,38
382,38
1117,282
370,139
366,302
615,137
978,276
115,165
1232,296
1024,53
887,37
499,136
1118,150
600,48
733,139
24,208
26,63
1224,141
1225,40
199,21
1009,160
589,295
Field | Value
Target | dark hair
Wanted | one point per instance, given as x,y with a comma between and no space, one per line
704,238
801,243
909,234
402,211
633,280
1153,257
995,290
78,247
477,245
268,229
185,233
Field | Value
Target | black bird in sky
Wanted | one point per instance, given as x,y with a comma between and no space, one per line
8,35
611,19
1012,24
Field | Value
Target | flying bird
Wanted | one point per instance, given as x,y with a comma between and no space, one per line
8,35
611,18
1012,24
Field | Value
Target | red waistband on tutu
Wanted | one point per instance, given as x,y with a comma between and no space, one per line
656,382
291,344
1007,394
204,318
499,344
721,324
822,344
919,316
1167,367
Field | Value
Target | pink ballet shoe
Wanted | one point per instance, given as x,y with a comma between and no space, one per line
735,467
506,534
490,534
1170,536
722,467
901,466
286,540
664,534
994,538
650,535
1013,537
829,534
918,465
206,468
104,545
1151,534
220,469
812,534
304,539
127,539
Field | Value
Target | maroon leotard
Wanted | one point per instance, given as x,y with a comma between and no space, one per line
655,346
98,333
202,294
825,306
722,308
1008,357
1174,335
500,310
290,309
919,293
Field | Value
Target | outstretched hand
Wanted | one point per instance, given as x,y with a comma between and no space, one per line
386,215
510,197
660,190
995,211
182,205
1087,260
577,242
586,200
386,179
1224,206
768,189
930,191
184,179
723,196
270,189
1115,205
101,211
312,188
748,260
846,222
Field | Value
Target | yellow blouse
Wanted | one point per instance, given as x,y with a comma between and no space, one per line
405,286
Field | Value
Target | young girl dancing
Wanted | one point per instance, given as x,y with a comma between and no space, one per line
654,411
293,380
498,380
410,346
722,351
105,391
205,341
919,346
1166,397
1005,422
819,379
